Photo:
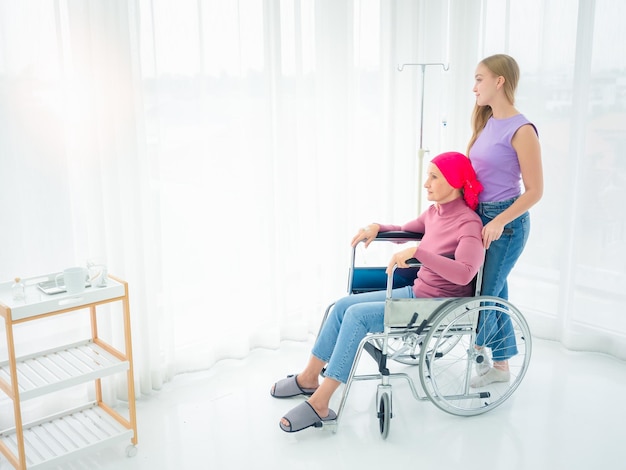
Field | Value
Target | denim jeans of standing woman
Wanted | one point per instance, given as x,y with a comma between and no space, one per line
494,328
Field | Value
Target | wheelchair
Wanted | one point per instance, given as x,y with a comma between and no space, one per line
438,335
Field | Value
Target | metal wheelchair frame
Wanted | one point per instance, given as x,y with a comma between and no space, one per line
438,335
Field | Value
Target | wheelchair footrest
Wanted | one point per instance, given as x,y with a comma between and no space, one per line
378,356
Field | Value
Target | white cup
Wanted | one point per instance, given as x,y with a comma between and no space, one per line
97,274
74,279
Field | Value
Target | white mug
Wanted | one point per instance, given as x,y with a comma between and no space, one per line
74,279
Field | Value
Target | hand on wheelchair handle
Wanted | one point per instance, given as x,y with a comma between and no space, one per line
365,234
401,259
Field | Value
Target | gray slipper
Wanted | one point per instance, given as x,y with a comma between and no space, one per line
288,387
304,416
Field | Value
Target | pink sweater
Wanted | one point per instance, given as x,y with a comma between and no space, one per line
449,229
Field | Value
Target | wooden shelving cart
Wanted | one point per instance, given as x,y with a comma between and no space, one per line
53,439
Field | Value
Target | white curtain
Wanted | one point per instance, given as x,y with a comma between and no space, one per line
218,155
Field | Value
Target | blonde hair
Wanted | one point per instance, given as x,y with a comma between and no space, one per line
501,65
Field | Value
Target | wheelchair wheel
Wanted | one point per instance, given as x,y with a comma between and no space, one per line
384,414
446,372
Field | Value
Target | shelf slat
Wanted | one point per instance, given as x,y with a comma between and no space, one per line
52,440
61,368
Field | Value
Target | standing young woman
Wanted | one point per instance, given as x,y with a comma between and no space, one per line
505,152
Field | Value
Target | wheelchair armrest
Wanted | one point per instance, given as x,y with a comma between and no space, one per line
399,236
414,263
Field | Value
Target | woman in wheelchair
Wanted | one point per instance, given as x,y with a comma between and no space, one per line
450,226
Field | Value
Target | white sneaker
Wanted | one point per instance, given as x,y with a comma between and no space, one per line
483,361
492,375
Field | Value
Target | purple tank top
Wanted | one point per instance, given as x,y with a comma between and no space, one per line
495,160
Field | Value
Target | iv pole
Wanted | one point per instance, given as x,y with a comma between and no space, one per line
422,150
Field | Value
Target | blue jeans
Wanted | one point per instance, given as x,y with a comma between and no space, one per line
350,319
494,328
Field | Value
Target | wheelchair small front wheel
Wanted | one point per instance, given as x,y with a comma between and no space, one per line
384,414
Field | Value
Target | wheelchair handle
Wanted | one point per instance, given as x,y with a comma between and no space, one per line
411,262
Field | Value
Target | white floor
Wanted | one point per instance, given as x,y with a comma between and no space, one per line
569,413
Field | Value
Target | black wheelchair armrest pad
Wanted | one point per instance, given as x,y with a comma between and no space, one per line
399,235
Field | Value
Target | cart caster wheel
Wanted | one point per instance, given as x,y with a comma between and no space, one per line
131,450
384,415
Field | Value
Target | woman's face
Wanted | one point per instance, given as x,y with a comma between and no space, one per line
486,85
437,187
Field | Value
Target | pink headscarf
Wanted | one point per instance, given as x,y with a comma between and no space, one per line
460,174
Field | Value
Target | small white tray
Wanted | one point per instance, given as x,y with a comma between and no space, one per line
38,303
